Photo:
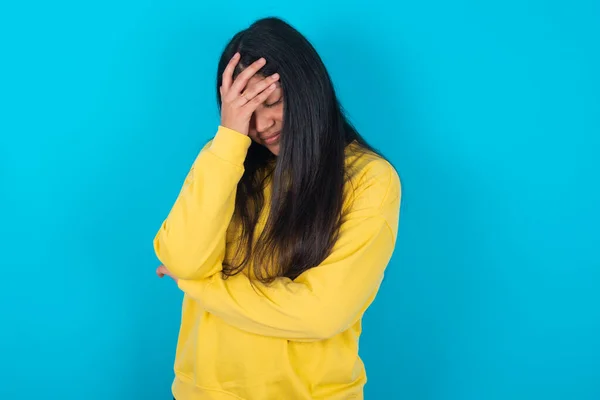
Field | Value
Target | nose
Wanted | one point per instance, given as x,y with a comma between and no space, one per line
262,120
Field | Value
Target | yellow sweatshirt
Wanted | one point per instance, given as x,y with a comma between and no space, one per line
292,339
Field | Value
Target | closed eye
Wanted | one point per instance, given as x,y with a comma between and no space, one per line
274,104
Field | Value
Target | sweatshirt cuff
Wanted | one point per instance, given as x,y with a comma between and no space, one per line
194,289
181,284
230,145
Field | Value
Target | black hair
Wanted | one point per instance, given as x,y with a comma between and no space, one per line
308,175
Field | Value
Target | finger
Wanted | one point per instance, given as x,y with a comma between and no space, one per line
259,99
228,73
161,271
242,79
254,90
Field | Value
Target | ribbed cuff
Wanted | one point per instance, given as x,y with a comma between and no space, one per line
230,145
181,284
195,289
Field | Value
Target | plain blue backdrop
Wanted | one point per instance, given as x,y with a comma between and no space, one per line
489,110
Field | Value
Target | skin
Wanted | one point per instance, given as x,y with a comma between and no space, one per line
267,119
252,105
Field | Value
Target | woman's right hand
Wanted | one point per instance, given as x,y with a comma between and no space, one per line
238,102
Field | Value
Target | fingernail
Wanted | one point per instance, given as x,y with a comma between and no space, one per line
275,76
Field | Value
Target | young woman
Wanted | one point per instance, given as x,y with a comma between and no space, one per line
281,233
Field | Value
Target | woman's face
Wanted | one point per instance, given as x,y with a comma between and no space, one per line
267,120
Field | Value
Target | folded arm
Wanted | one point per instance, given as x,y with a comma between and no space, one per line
324,300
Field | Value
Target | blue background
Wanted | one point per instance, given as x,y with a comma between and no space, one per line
489,110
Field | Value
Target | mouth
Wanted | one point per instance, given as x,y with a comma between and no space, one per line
272,139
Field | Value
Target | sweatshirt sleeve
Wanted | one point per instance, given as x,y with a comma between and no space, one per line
324,300
191,240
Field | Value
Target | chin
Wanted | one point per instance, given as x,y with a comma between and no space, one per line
274,148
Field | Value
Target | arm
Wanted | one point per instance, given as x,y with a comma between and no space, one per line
324,300
191,241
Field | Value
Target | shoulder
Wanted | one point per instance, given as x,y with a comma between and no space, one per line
371,179
373,189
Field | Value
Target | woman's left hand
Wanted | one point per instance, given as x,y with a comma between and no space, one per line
161,271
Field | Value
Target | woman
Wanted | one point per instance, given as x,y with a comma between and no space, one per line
281,232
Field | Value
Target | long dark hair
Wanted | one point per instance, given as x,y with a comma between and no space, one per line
308,176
